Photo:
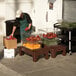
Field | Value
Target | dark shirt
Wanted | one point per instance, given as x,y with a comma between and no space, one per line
29,20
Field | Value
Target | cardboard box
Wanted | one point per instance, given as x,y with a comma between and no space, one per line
10,43
9,53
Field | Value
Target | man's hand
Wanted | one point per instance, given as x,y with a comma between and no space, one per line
26,28
10,36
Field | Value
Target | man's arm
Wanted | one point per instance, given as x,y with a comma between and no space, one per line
29,25
13,30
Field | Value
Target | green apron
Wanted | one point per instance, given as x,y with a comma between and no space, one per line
23,25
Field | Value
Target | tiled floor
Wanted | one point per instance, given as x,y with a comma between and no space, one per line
24,65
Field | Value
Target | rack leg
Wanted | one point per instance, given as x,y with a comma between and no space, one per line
70,52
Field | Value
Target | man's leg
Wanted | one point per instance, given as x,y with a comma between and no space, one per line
25,35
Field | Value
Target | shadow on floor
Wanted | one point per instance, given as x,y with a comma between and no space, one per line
1,54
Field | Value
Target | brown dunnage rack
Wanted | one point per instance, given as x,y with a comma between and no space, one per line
35,53
44,50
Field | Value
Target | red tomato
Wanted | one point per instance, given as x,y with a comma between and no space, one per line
51,36
27,39
44,35
26,28
37,36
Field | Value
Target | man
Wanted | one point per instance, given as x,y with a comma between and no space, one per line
24,21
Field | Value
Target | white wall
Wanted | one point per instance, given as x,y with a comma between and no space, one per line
9,9
55,14
2,17
40,13
37,10
13,5
41,7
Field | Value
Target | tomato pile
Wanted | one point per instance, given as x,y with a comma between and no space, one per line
33,38
10,38
49,35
